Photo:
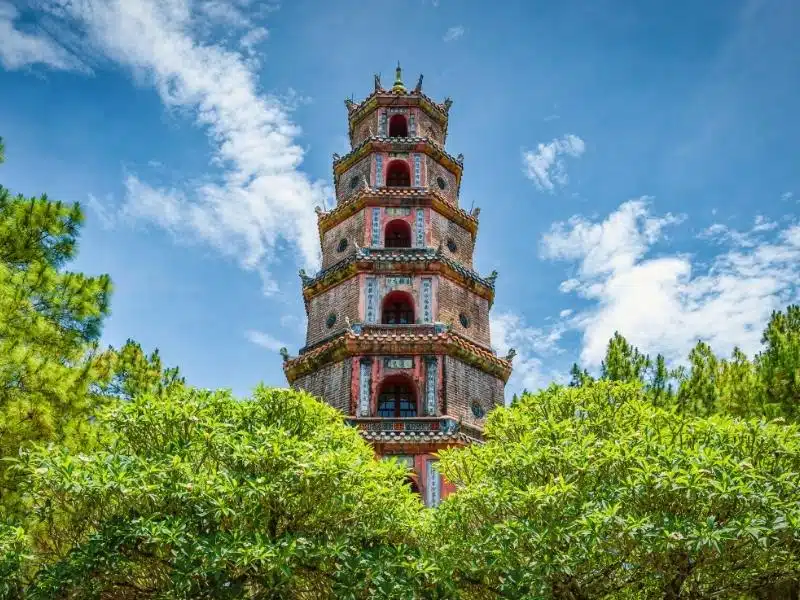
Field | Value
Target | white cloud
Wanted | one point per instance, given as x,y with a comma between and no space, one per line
666,303
545,167
786,196
265,340
106,217
453,33
20,49
508,331
256,196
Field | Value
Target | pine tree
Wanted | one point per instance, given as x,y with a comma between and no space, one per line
779,363
50,323
623,361
53,377
579,377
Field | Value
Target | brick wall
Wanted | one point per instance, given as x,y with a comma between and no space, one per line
442,230
344,186
453,300
435,170
363,127
427,127
331,383
464,385
351,229
341,300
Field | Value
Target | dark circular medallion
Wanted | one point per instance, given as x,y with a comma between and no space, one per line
464,320
331,320
441,182
342,245
451,245
477,409
354,181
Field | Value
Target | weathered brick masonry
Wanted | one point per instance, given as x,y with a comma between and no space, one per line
398,321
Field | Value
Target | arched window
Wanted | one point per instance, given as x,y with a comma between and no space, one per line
397,234
397,309
397,399
398,174
398,126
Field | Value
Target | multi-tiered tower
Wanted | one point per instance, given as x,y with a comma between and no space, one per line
398,320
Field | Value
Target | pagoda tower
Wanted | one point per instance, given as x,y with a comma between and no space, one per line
398,320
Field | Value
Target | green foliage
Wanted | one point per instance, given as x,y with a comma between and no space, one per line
768,385
593,492
203,495
129,372
579,378
53,377
49,325
698,393
13,556
623,361
779,363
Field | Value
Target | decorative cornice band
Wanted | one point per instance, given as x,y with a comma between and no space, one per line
396,197
410,144
359,341
396,261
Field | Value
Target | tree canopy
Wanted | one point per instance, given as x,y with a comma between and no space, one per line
203,495
593,492
53,374
767,385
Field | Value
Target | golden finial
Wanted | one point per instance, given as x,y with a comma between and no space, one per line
398,80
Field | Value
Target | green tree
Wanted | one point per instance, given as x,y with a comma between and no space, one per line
659,384
579,377
49,325
779,363
698,393
593,492
623,361
130,372
201,495
740,391
53,376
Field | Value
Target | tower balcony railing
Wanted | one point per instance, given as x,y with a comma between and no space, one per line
390,328
442,424
415,429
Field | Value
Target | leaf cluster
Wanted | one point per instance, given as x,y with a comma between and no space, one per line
593,492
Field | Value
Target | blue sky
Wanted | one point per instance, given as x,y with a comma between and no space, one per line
636,163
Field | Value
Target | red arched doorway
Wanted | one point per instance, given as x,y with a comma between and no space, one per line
397,398
398,174
397,309
398,126
397,234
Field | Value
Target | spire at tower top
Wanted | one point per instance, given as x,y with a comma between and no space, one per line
398,80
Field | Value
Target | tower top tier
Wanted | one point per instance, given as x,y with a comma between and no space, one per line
364,121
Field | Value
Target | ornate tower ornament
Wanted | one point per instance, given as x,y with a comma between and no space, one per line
398,319
398,87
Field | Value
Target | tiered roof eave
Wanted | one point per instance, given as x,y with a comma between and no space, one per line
376,143
397,196
398,261
357,111
366,340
